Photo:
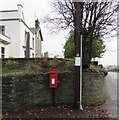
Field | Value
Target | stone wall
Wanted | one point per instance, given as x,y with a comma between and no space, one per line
94,92
21,91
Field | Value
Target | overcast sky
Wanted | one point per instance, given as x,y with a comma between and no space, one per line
53,43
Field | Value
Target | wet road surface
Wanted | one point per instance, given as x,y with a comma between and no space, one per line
111,87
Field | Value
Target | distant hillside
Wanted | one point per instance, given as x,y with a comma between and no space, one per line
112,68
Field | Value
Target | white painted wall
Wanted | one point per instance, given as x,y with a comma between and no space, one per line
23,28
38,45
12,29
15,29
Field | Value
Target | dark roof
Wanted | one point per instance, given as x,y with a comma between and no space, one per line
35,30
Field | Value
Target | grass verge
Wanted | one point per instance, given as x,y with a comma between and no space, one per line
6,71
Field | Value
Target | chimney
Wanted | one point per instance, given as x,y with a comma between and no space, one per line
37,23
19,5
20,10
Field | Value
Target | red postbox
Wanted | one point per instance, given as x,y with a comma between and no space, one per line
53,78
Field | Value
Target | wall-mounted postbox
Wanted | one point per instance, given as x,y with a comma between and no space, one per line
53,78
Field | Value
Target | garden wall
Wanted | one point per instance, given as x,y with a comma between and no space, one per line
21,91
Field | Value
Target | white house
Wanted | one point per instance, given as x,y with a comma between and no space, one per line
25,41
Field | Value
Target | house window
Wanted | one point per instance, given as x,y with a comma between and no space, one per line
25,38
33,55
25,53
2,52
2,30
33,43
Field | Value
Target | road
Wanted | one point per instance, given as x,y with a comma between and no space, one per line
111,87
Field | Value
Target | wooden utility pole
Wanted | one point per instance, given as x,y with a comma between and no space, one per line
77,39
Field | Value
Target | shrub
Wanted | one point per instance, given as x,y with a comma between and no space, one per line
55,62
93,68
11,65
62,62
31,67
45,63
98,69
70,62
105,73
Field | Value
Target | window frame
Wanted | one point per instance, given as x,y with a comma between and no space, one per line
2,31
2,52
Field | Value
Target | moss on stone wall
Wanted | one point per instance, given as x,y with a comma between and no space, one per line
24,90
93,89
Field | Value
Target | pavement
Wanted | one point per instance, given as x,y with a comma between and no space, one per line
111,87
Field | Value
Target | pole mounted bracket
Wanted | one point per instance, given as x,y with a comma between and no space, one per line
77,55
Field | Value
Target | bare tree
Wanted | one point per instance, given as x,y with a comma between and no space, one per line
64,16
99,20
